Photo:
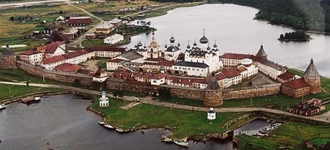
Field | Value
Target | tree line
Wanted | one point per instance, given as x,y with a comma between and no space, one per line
294,36
300,14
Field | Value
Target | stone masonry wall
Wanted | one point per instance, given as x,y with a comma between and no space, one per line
184,92
238,93
113,83
8,62
176,91
54,75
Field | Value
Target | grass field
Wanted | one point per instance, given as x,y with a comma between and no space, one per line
290,135
186,123
12,91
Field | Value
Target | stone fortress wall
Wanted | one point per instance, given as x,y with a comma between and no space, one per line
55,75
176,91
249,92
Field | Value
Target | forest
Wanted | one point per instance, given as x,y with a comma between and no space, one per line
299,14
294,36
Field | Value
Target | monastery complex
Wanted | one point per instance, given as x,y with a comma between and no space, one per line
199,68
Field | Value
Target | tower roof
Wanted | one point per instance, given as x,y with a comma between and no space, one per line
311,70
213,84
172,40
261,52
8,52
203,40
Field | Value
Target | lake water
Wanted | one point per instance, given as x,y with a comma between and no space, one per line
234,29
62,123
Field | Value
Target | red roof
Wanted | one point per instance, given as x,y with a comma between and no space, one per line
53,59
115,60
107,48
137,74
29,52
230,73
160,76
181,56
286,76
296,84
220,76
66,67
122,74
159,62
235,56
82,20
50,48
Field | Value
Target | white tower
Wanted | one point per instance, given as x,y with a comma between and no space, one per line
104,100
211,115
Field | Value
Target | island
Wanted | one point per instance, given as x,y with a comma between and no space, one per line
299,36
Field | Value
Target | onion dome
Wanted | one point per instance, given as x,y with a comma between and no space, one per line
188,46
203,40
208,48
139,44
179,44
165,46
172,40
195,44
215,45
145,46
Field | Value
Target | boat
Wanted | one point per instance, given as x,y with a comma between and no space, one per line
29,100
141,14
37,99
119,130
101,123
181,143
166,139
2,106
108,126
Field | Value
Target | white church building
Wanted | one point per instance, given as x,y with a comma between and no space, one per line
200,60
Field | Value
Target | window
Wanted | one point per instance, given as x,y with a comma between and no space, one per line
197,69
188,68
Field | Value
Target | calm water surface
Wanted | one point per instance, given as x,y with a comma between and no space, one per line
62,122
234,29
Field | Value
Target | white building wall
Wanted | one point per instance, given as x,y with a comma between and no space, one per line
113,66
34,58
157,81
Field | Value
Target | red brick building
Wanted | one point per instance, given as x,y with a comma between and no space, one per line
79,21
309,84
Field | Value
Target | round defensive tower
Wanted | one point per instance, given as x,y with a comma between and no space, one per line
213,93
8,59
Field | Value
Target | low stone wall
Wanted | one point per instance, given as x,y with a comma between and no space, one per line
249,92
113,84
146,88
289,117
185,92
55,75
